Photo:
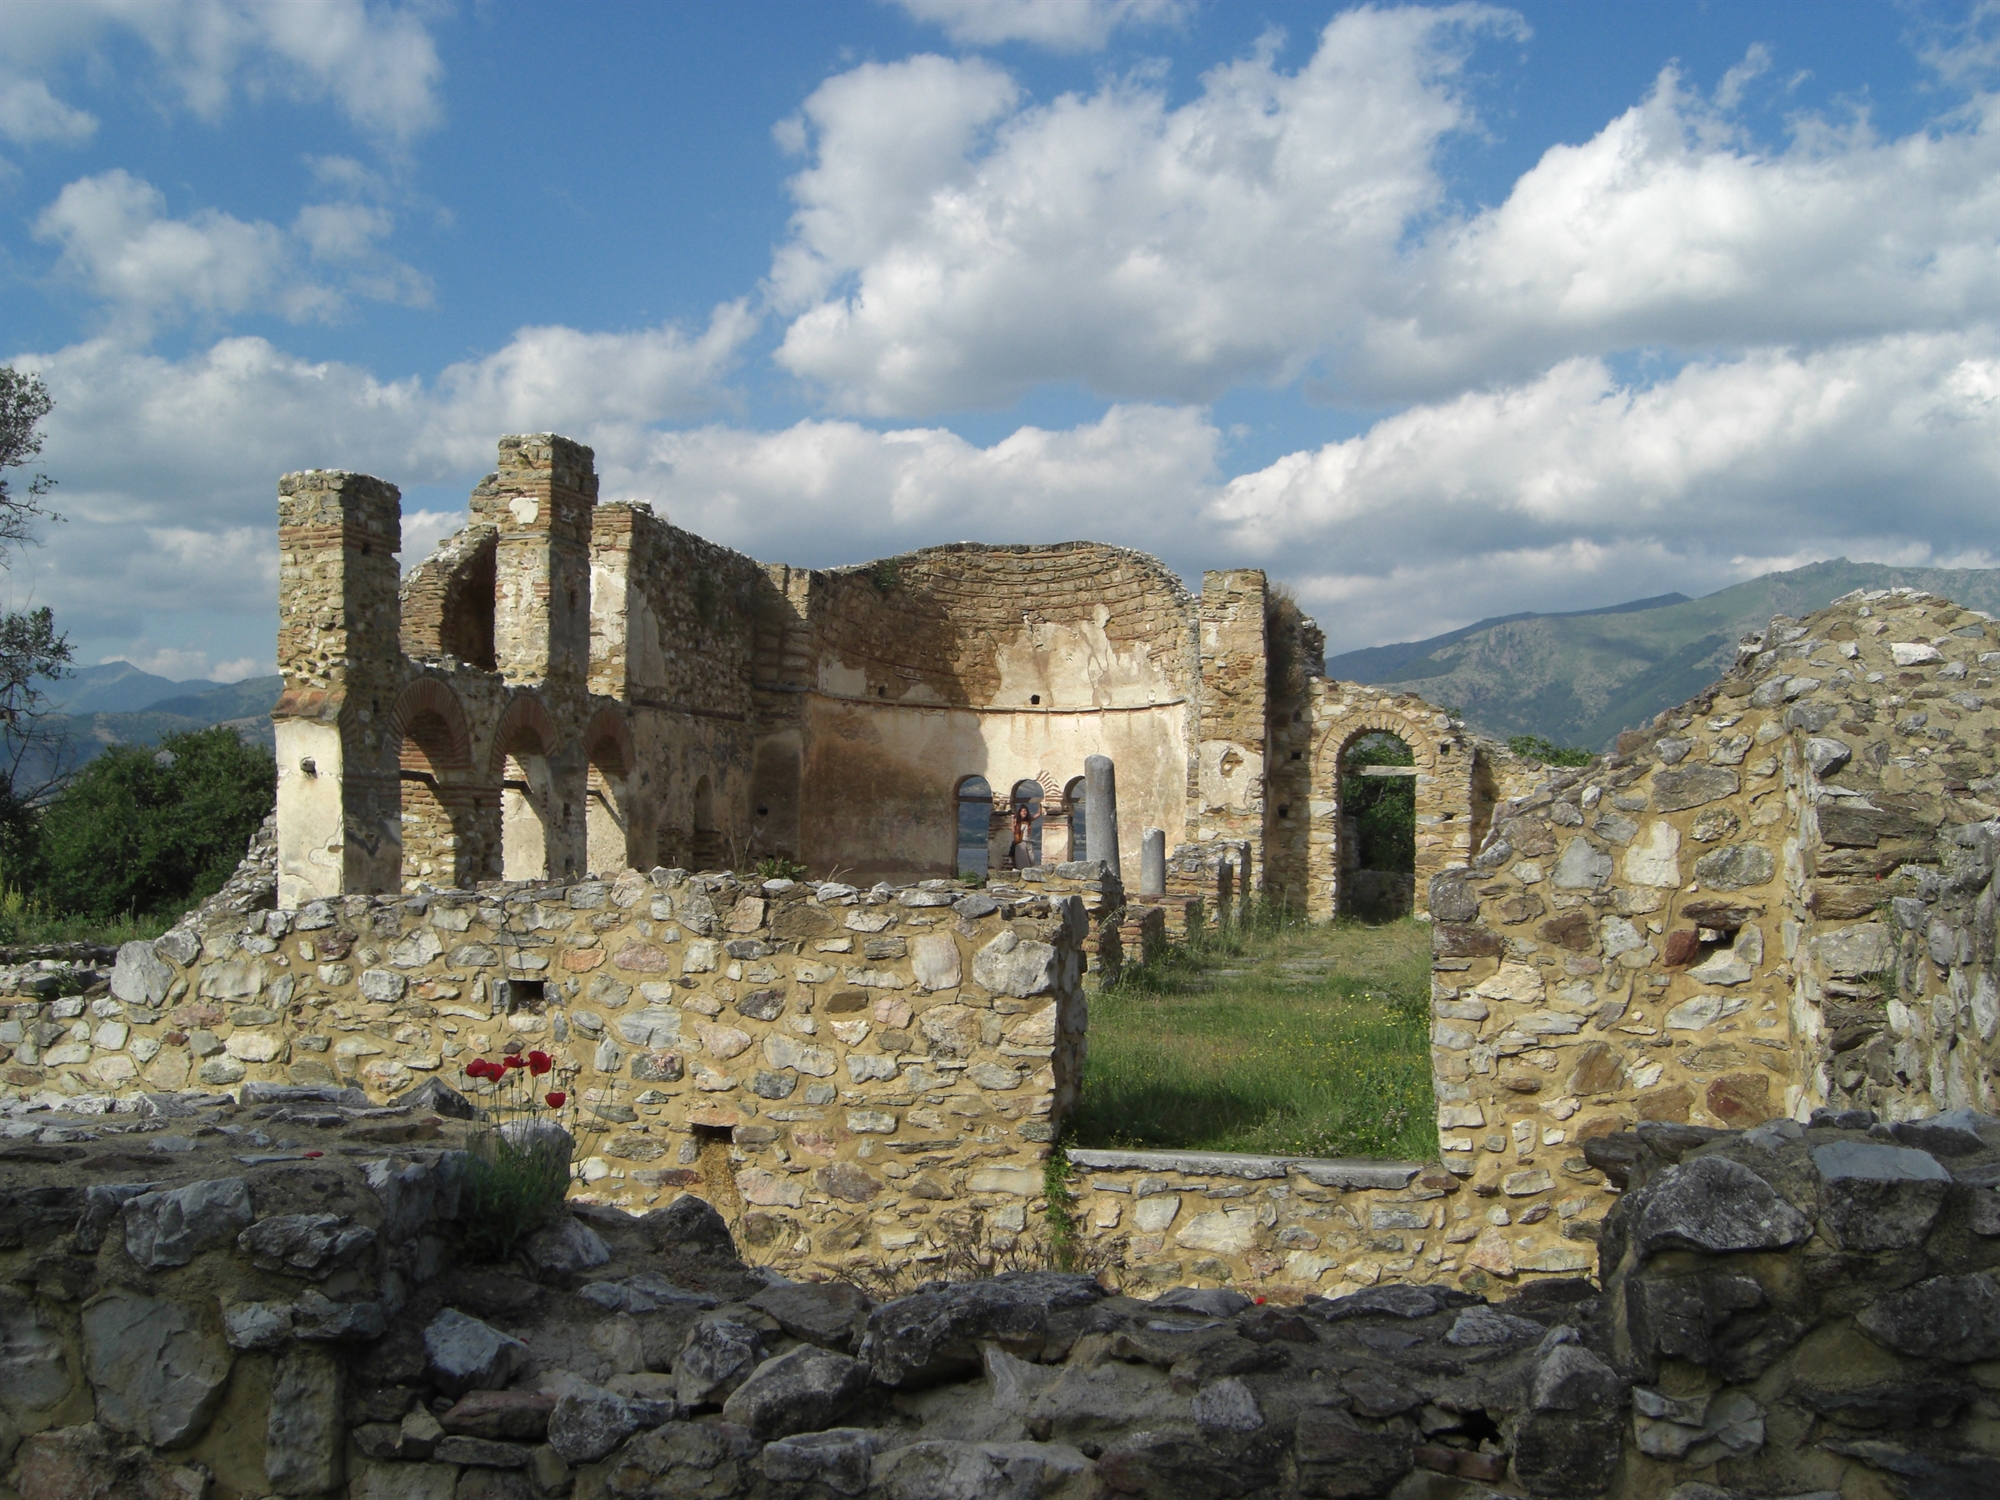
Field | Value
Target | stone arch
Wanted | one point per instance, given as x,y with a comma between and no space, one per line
1443,761
1032,794
523,743
440,811
607,745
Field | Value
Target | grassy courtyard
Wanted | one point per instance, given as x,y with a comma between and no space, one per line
1287,1038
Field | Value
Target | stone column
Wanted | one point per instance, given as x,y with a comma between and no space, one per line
1153,862
541,500
340,650
1100,811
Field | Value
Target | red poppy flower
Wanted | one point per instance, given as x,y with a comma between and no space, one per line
516,1061
314,1155
557,1098
539,1063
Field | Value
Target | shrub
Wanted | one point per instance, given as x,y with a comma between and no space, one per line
142,828
1534,747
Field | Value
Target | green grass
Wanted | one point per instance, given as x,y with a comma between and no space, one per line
23,925
1289,1038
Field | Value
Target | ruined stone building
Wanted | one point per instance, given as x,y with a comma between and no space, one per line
566,688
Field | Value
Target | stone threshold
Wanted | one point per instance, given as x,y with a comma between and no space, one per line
1336,1172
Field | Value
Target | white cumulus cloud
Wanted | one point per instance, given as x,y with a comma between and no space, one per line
954,246
1064,25
119,243
378,64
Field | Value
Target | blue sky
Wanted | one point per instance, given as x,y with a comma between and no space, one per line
1434,313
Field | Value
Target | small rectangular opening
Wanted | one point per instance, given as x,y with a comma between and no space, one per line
520,994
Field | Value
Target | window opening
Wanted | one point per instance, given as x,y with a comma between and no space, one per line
1024,838
1079,830
975,826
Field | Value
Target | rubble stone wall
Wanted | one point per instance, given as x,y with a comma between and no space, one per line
209,1299
841,1071
1777,897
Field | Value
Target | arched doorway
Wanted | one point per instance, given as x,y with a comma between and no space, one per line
527,796
1079,830
975,826
604,815
1024,829
1378,827
437,808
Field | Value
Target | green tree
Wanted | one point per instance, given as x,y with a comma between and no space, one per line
151,828
34,751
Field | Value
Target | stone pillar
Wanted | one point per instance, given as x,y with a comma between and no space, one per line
340,650
1153,862
541,499
1100,811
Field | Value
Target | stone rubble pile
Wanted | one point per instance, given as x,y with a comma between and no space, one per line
214,1308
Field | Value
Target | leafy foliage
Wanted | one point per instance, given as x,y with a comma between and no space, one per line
1383,808
1534,747
31,650
141,829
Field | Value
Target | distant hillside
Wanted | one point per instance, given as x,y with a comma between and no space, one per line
244,706
116,687
1579,678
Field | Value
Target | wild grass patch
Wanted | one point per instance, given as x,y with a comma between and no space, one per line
1277,1036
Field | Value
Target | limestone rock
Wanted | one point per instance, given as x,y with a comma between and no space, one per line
256,1325
140,977
1878,1197
1954,1318
840,1458
435,1096
158,1372
934,1335
503,1416
1012,965
465,1354
803,1390
34,1375
1676,791
934,961
84,1463
566,1247
304,1436
718,1357
171,1227
587,1424
827,1313
1227,1405
314,1245
1715,1204
976,1471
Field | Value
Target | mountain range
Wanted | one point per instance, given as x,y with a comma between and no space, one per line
118,704
1579,677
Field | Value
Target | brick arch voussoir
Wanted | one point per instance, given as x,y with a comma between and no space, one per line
609,724
430,695
525,715
1423,741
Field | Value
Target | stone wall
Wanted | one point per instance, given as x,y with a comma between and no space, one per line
1769,900
208,1301
1447,830
842,1071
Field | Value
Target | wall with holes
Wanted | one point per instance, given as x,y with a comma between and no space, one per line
842,1072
